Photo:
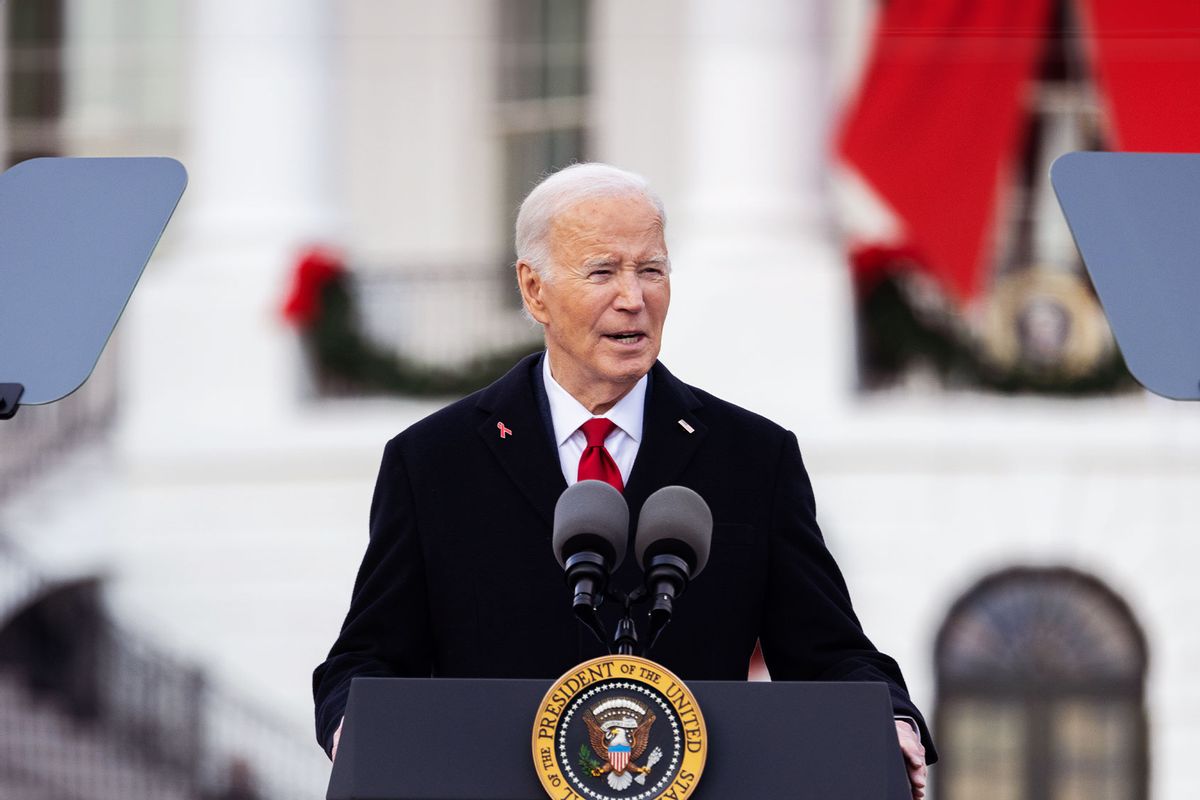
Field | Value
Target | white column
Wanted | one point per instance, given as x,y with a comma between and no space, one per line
209,350
262,118
761,312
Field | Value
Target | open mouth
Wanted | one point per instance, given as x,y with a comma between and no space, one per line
625,337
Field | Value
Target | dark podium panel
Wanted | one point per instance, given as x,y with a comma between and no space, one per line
437,739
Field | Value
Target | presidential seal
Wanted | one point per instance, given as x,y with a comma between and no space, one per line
619,728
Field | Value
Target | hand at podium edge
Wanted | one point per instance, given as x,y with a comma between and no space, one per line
914,757
337,735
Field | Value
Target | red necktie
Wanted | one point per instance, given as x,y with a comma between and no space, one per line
596,463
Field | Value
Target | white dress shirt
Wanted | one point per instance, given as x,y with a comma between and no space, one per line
568,414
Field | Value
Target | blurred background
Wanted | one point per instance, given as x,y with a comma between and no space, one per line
865,248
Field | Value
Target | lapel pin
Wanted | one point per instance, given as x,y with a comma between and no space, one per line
683,424
504,431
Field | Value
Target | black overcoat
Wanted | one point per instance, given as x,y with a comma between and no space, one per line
459,579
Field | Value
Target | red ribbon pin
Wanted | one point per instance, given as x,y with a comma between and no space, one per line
503,430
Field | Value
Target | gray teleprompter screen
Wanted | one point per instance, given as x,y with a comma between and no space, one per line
75,235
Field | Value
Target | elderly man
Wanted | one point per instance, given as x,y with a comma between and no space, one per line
459,579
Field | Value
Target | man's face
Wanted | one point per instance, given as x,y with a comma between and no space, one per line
606,298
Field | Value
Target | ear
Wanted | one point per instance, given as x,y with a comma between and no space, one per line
532,286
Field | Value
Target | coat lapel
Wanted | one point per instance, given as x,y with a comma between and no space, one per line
525,451
530,459
666,446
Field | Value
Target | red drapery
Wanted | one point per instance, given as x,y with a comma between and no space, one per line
1146,63
941,110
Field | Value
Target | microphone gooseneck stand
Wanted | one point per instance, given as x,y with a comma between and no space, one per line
625,639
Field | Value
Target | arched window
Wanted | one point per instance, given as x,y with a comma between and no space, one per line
1041,676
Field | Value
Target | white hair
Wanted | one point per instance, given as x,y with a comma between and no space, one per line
563,189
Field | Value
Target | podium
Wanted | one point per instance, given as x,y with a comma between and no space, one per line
447,739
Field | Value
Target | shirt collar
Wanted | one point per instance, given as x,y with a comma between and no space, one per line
567,413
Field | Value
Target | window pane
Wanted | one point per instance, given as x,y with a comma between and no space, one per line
34,59
983,745
566,38
530,156
1094,741
543,49
34,21
566,147
34,93
520,49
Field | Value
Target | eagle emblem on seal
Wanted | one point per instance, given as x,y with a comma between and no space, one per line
619,731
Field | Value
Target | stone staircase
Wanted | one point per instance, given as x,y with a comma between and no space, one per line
91,711
46,754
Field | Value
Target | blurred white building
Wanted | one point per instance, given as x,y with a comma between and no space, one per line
225,500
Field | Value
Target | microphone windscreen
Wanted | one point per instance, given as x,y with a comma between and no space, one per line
672,516
590,515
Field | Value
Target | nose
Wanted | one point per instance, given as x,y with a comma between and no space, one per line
629,292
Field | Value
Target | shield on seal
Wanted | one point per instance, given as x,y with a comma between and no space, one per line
618,756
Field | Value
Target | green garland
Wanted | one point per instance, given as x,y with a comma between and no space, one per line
894,338
347,363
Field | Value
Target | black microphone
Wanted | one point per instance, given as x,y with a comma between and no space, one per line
674,537
591,532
